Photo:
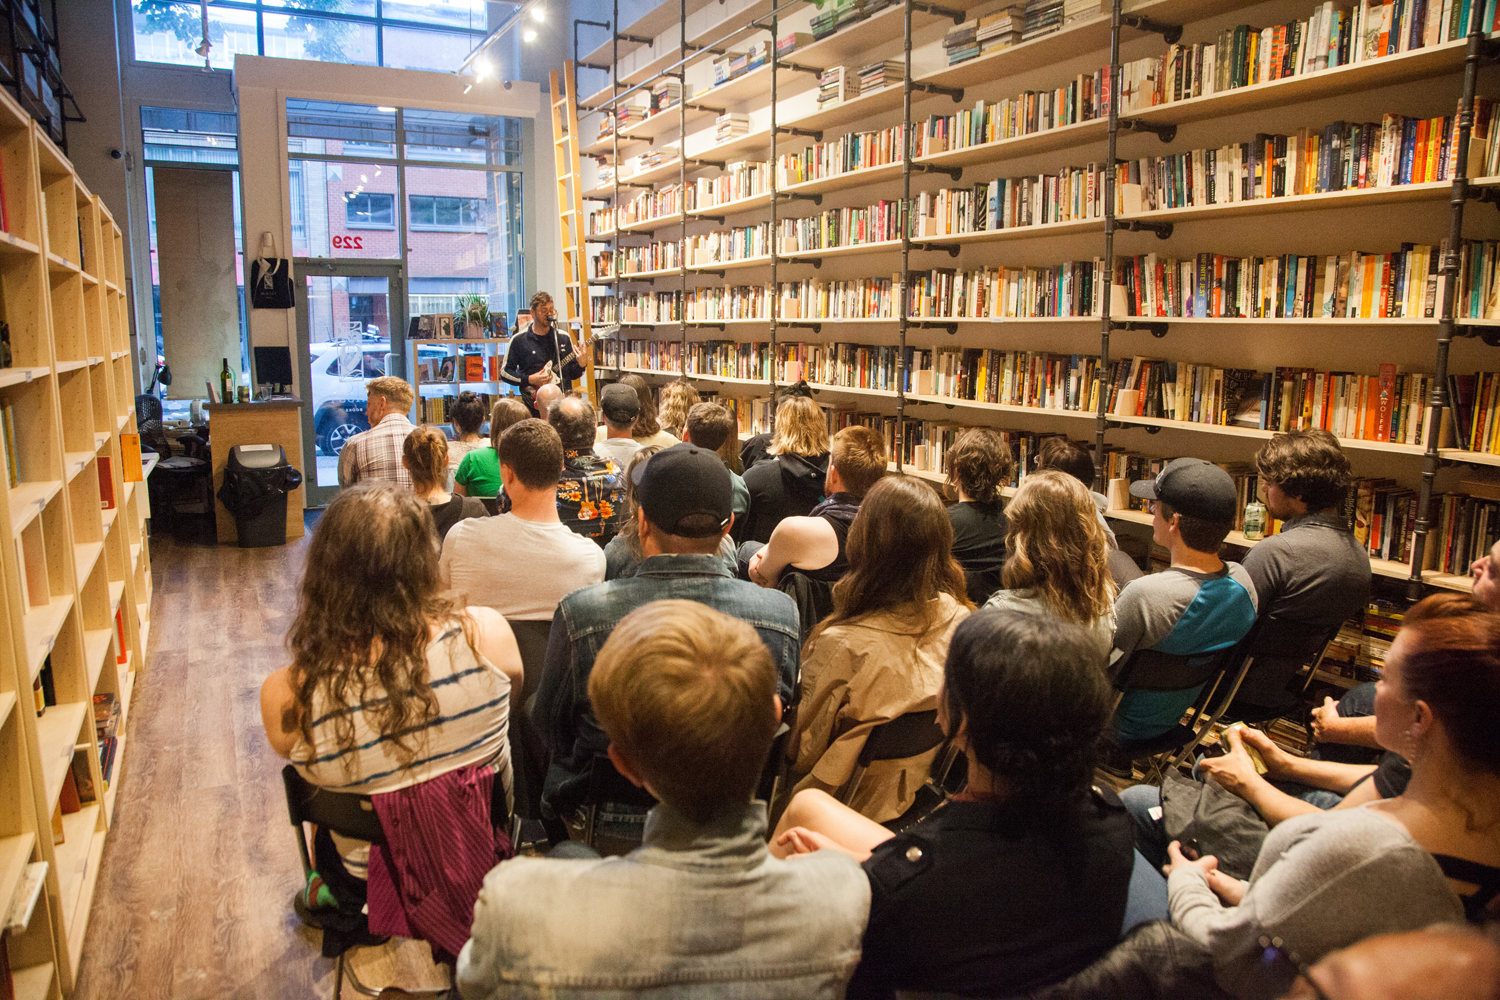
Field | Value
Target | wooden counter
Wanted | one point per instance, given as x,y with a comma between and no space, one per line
276,421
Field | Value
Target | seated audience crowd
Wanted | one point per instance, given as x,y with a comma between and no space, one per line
864,786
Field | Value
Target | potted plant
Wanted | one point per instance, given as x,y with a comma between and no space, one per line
472,316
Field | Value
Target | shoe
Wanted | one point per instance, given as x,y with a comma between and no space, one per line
307,916
1117,766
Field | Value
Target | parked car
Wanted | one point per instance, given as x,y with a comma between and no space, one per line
338,390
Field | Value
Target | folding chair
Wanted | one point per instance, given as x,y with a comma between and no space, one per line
1153,670
348,815
1270,658
531,637
908,735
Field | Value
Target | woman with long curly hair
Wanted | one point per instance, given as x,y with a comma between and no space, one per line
391,682
880,653
1058,562
647,431
677,398
1021,879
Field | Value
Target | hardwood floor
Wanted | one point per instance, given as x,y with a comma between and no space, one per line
195,886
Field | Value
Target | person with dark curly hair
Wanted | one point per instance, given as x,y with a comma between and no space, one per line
979,465
1021,879
467,416
1313,570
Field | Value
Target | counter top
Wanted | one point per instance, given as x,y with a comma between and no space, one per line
289,403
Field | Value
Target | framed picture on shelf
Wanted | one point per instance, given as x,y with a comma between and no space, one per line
426,327
499,326
448,369
523,321
443,325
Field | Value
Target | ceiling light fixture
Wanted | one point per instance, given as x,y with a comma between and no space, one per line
539,13
384,109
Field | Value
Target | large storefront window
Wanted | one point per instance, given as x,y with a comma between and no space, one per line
407,34
438,190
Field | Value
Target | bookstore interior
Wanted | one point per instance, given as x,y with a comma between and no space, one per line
237,237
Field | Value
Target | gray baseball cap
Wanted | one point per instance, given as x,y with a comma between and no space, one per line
1192,486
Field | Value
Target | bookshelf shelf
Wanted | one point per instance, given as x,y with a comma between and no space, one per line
71,395
13,245
57,733
28,500
33,982
854,390
15,852
1382,217
661,171
1062,137
653,223
20,376
1355,198
40,625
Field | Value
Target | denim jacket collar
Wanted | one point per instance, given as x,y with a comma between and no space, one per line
736,837
683,564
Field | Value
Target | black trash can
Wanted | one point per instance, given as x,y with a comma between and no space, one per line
256,482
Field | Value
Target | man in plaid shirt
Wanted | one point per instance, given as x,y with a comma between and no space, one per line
375,455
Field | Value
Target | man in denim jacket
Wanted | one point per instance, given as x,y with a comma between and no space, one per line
685,502
687,698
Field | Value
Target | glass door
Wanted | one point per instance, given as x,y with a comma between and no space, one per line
351,327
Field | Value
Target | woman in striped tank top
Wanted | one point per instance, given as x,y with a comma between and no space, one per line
391,682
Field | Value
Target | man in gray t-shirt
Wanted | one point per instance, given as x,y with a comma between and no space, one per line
1314,570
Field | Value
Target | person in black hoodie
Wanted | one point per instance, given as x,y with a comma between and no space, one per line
756,448
788,483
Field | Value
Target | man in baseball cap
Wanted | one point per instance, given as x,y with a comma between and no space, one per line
620,406
685,509
1196,607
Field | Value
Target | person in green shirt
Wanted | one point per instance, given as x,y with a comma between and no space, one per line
478,474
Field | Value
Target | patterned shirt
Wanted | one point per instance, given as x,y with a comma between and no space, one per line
375,455
591,495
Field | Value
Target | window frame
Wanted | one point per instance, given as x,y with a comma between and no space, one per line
379,21
479,225
390,197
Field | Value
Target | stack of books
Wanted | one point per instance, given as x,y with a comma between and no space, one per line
1077,10
666,93
633,109
1000,29
837,84
825,22
962,42
791,42
1042,18
730,126
645,161
606,171
881,74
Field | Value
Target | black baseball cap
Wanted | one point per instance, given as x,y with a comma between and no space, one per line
680,481
1192,486
619,403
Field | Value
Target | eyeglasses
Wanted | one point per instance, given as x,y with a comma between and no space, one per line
1278,960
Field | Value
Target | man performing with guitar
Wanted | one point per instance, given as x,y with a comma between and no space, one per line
542,354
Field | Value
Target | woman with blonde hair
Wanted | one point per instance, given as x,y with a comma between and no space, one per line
478,474
677,398
1057,560
647,431
424,454
790,482
880,654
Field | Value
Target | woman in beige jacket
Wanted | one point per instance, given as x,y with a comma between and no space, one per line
880,654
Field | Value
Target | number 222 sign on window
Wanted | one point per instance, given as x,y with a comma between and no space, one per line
348,242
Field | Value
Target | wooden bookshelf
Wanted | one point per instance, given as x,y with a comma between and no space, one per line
1421,83
72,564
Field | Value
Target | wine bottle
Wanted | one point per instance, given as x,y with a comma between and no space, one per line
226,383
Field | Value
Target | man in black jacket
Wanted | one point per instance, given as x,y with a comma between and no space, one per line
542,354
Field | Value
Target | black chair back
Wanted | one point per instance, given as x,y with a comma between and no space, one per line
1278,649
531,637
1153,670
905,736
147,407
814,598
606,784
345,813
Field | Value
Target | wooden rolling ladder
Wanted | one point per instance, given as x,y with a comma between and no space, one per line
570,214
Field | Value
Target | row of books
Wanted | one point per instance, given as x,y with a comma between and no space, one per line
736,64
841,227
1043,17
1467,529
1082,99
718,247
1073,194
837,84
847,153
438,409
1475,402
1343,156
461,368
1403,284
984,35
1331,36
1046,292
646,205
1359,650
